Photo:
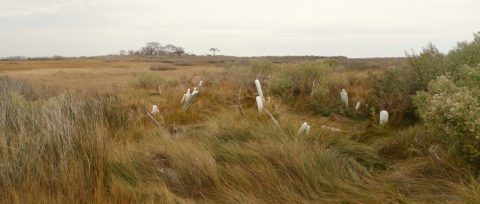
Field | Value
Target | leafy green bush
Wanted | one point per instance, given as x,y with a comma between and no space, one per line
452,114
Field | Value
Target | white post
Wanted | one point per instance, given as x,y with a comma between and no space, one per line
155,110
304,129
357,106
383,117
259,103
183,98
188,98
259,89
344,97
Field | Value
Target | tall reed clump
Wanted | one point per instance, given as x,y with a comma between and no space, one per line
56,148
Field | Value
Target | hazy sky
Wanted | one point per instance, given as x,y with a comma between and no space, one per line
353,28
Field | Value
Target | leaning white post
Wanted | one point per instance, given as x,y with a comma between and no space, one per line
357,106
344,97
259,103
259,89
383,117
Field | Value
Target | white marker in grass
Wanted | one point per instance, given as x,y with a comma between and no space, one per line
344,97
304,129
154,110
383,117
259,89
259,103
357,106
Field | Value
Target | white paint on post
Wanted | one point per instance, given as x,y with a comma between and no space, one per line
259,89
259,103
344,97
383,117
357,106
154,110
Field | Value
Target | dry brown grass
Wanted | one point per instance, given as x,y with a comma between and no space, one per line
89,146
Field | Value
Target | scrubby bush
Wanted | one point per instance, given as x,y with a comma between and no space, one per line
452,113
297,80
391,90
466,53
148,80
310,86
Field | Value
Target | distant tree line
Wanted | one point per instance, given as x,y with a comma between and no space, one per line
155,49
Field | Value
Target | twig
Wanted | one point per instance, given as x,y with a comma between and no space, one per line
313,87
155,121
273,119
239,104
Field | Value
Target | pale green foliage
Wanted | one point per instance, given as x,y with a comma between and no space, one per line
451,113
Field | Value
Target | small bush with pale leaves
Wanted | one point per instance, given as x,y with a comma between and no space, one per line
452,113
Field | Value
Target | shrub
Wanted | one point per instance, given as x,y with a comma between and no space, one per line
466,53
391,90
452,114
148,80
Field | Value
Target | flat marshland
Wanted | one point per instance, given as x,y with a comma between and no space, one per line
80,130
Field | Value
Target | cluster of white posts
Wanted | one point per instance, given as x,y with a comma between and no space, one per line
383,114
260,100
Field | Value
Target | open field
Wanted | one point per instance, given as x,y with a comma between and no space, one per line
87,73
83,130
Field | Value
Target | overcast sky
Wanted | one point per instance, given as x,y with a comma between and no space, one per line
353,28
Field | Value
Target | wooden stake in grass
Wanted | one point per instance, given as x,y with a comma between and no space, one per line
304,129
383,117
344,97
259,89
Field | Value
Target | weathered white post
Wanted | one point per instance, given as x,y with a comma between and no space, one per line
188,97
154,110
357,106
383,117
304,129
344,97
259,103
259,89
